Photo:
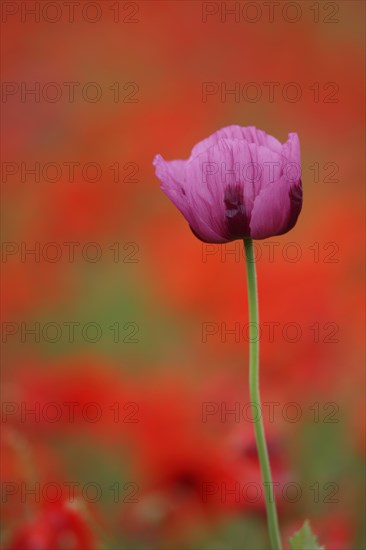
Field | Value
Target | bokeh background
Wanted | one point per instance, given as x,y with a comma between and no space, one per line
131,370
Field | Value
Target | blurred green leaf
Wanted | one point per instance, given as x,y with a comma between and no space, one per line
304,539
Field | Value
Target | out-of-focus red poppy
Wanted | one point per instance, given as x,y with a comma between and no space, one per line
56,526
191,474
82,396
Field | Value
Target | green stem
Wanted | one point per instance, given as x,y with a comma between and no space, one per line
272,519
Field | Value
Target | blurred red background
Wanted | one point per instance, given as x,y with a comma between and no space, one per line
131,370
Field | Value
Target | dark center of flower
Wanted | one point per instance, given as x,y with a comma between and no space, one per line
186,482
233,202
235,213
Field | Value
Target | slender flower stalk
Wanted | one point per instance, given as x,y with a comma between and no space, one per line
272,519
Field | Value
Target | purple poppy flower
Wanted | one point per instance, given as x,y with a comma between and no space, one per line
238,183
